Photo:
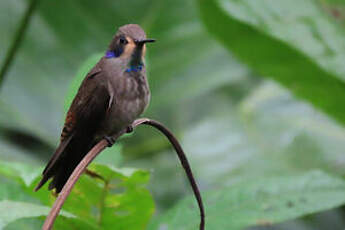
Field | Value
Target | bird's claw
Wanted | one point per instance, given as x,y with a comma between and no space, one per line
110,140
129,129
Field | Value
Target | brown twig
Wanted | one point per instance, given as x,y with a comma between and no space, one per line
18,37
183,160
48,224
94,174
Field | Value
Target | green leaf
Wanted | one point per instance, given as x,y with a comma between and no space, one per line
25,216
12,190
301,48
126,204
268,131
29,223
108,198
335,9
21,172
258,202
105,198
11,211
291,132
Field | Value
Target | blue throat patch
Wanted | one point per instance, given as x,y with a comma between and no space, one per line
111,54
134,68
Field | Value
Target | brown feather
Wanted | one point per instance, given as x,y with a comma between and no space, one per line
83,118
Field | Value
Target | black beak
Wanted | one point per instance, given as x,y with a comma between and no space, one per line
139,42
137,54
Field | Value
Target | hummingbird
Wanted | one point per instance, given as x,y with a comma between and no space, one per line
112,95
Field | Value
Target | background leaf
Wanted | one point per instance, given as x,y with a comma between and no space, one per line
302,49
106,198
11,211
109,198
259,202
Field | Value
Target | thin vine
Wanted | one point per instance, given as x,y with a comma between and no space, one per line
17,40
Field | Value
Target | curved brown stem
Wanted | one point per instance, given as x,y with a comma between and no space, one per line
99,147
183,160
48,224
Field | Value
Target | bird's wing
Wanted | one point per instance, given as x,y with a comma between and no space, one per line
87,104
88,108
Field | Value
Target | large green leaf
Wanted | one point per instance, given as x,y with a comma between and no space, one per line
26,216
11,190
128,204
11,211
258,202
335,9
269,132
291,132
302,48
109,198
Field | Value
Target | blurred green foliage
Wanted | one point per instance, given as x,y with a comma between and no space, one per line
264,201
119,199
254,90
300,48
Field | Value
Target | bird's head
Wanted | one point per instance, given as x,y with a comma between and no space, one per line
129,43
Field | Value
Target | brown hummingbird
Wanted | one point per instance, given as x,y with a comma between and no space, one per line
112,95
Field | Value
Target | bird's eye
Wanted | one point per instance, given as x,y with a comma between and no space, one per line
123,41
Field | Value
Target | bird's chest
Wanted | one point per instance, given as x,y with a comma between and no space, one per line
130,98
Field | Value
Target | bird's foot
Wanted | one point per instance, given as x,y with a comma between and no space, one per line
129,129
111,140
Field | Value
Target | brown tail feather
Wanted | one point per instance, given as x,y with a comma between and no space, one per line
59,151
48,171
41,183
65,159
67,167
